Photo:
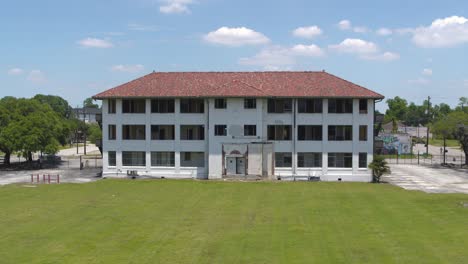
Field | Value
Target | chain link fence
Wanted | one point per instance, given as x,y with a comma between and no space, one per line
423,159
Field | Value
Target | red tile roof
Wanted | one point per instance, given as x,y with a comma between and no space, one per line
239,84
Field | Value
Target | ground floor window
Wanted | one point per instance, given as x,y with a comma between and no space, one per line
283,160
192,159
309,159
163,159
133,158
362,160
340,160
111,160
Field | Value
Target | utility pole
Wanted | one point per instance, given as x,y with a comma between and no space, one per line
84,130
427,124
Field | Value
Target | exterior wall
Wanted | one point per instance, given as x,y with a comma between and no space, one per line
235,117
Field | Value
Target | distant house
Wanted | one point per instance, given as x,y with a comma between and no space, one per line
87,114
212,125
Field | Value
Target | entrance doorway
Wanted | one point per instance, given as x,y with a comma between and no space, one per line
235,166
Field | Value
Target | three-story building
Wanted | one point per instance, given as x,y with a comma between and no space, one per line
222,124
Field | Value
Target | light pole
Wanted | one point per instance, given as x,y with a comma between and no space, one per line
428,112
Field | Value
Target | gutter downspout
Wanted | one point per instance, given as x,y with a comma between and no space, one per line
294,131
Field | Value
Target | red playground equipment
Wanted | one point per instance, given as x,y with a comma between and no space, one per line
46,178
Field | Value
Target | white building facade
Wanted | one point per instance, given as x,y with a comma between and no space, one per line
213,137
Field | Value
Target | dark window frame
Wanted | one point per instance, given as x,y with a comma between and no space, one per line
163,106
220,130
112,132
316,157
280,105
192,106
250,103
310,105
250,130
138,154
283,159
191,135
127,134
363,137
340,160
362,160
340,106
340,133
169,161
274,131
162,132
111,106
134,106
363,106
111,158
303,133
220,103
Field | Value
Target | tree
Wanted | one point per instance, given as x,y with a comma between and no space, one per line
379,167
89,103
397,108
454,125
57,103
94,133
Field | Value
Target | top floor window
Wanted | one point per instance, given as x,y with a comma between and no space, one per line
162,106
363,106
340,106
250,103
188,106
309,105
280,105
133,106
111,106
220,103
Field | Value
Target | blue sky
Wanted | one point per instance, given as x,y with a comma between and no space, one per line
76,49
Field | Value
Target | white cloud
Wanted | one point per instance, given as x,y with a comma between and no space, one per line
344,24
427,72
15,71
364,50
307,50
236,37
384,32
386,56
175,6
307,32
357,46
419,81
278,57
95,43
445,32
128,68
37,77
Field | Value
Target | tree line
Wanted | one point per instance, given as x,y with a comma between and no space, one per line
442,120
39,125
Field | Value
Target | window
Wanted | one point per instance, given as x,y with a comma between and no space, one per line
162,132
220,103
250,103
362,133
133,132
192,159
279,132
309,159
162,159
283,159
250,130
340,160
133,106
111,158
162,106
192,132
340,133
340,106
111,107
280,105
220,130
363,106
133,158
188,106
362,160
309,105
112,132
309,132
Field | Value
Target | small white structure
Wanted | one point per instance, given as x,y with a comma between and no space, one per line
211,125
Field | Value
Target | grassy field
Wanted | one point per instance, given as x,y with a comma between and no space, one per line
162,221
440,142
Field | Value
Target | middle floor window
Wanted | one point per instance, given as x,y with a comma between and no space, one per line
279,132
133,132
340,133
309,132
162,132
250,130
192,132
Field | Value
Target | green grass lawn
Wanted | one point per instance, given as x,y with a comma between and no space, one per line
163,221
440,142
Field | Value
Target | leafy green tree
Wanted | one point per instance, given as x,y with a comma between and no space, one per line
94,133
379,167
397,108
57,103
89,103
454,125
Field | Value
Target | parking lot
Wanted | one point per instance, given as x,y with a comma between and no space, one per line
430,179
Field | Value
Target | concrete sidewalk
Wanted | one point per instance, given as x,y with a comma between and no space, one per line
66,176
428,179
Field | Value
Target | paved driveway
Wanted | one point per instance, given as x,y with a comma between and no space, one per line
429,179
